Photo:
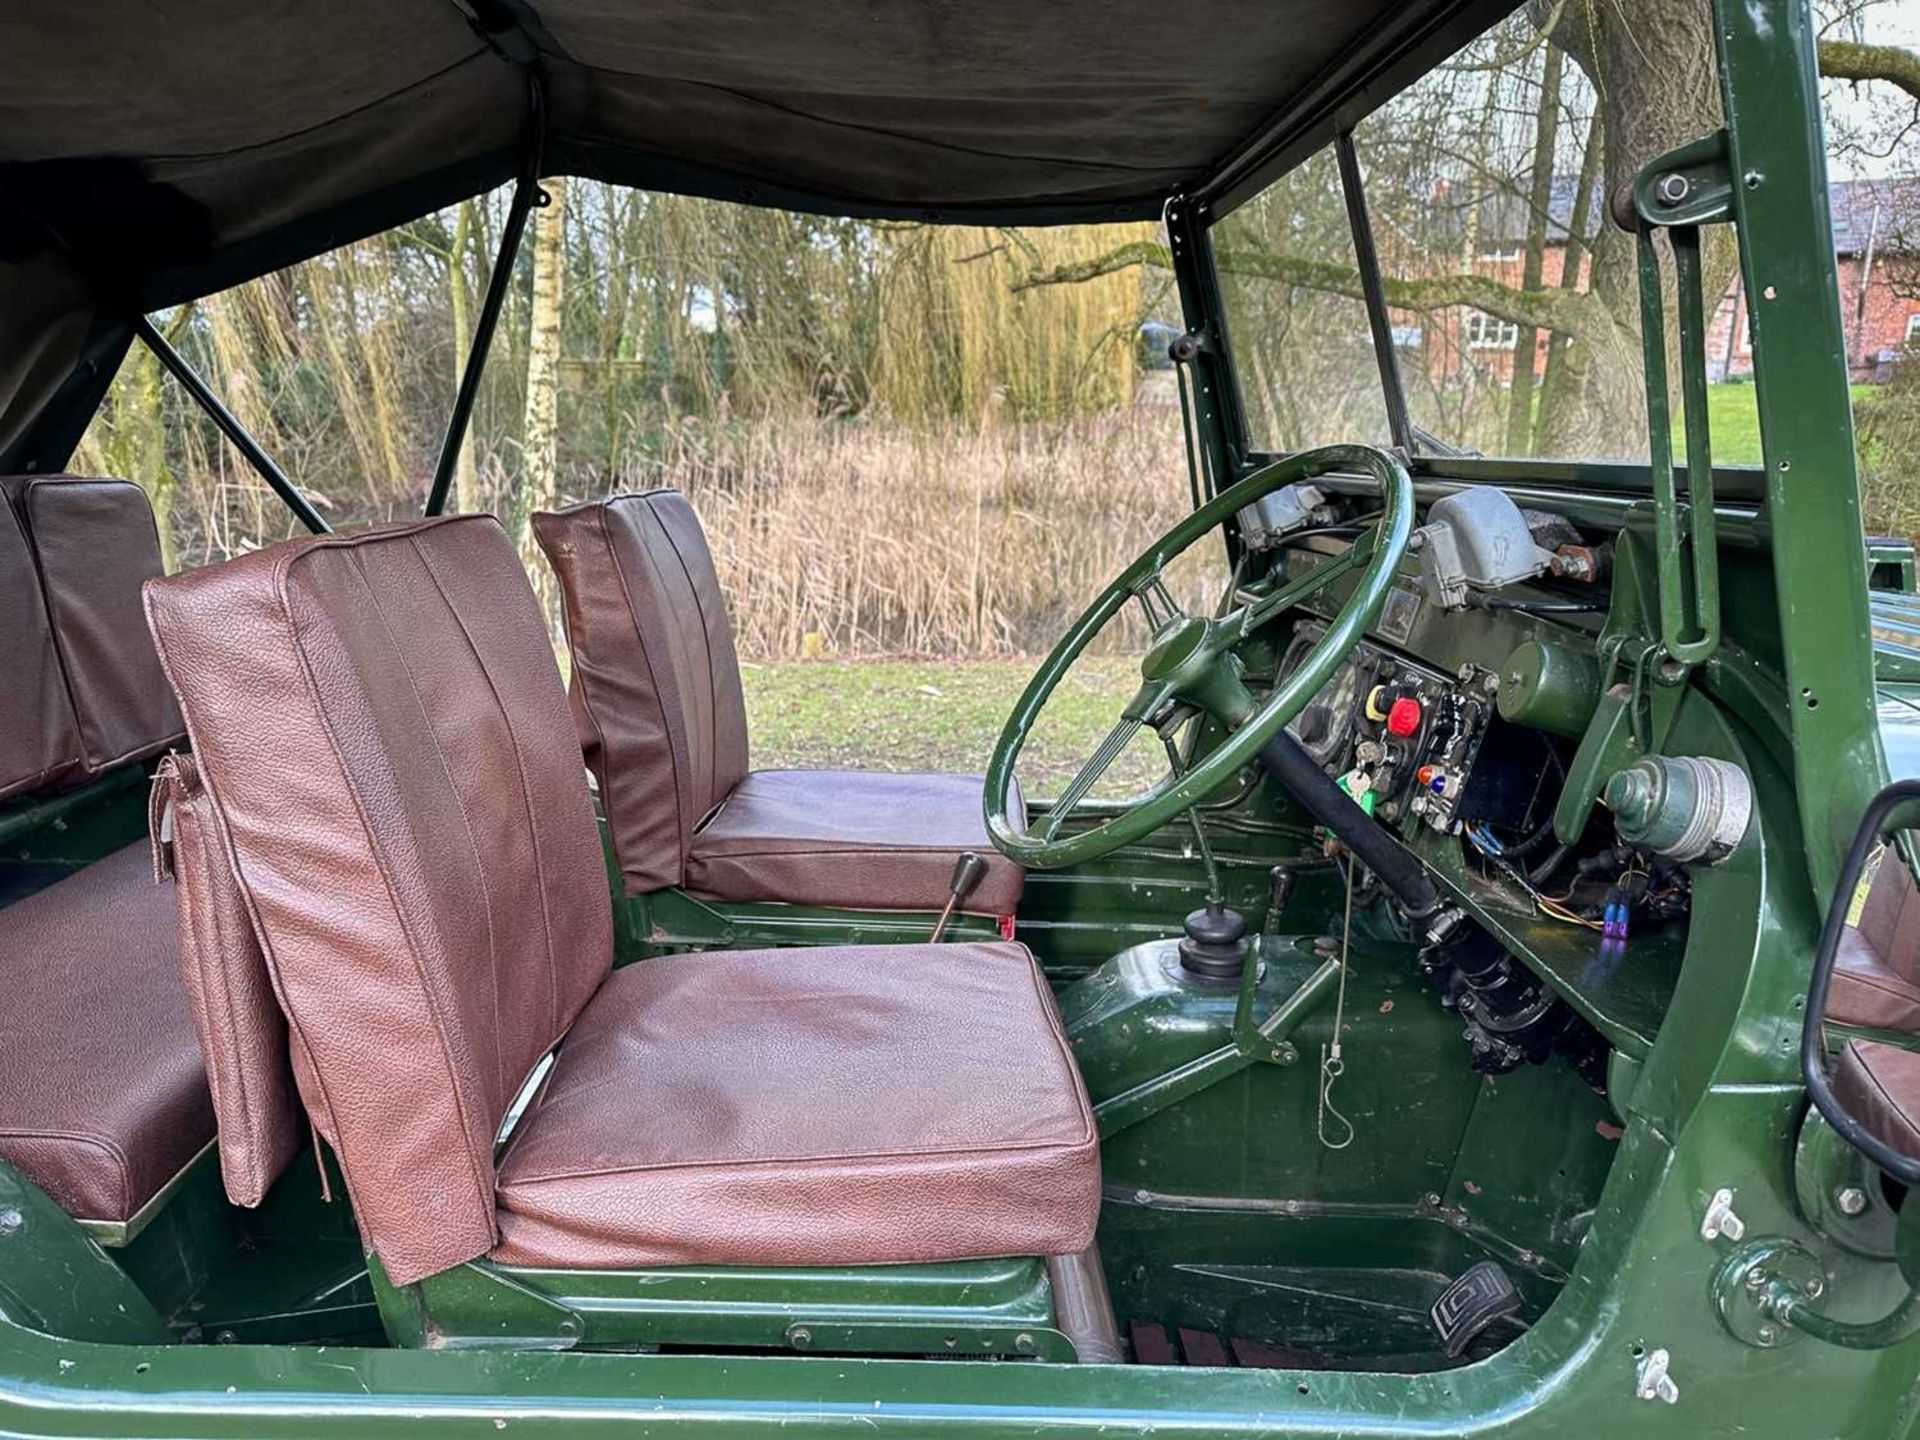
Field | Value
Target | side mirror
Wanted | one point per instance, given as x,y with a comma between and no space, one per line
1873,1099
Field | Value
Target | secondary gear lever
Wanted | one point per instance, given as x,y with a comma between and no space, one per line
968,871
1280,882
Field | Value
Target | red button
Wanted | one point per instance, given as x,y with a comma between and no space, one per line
1404,718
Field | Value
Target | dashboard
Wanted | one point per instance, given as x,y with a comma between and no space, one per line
1530,948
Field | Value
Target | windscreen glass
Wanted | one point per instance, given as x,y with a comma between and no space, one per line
1514,296
1296,323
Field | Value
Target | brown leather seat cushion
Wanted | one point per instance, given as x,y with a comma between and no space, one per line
1876,977
102,1094
1880,1086
862,839
1869,993
834,1106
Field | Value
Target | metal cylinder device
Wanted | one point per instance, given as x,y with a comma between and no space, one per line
1685,807
1549,687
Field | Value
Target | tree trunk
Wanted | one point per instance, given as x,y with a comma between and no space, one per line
1558,385
148,448
1539,213
540,435
466,480
373,337
1652,66
133,441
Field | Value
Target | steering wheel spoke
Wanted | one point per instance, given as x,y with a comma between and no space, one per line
1253,616
1156,602
1090,773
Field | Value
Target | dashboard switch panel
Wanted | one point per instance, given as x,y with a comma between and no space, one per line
1401,734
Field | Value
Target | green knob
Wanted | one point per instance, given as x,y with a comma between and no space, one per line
1631,796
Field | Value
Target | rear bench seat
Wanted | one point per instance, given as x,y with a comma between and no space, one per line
103,1097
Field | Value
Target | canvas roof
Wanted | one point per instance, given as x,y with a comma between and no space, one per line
151,151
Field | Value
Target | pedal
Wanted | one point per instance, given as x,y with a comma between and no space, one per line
1470,1304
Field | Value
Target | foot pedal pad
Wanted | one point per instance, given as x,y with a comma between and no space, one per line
1470,1304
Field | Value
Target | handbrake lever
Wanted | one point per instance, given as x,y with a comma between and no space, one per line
968,871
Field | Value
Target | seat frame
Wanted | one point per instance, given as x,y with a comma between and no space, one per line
662,920
979,1308
65,1283
114,1234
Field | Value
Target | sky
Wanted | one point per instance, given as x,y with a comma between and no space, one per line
1878,109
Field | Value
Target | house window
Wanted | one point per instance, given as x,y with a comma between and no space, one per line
1913,328
1501,257
1746,331
1483,332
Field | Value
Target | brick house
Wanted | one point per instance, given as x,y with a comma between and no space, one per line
1876,246
1876,235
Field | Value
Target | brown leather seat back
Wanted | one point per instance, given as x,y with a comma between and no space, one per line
94,543
39,740
1876,978
236,1017
380,723
656,682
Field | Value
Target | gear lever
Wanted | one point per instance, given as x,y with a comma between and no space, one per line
968,871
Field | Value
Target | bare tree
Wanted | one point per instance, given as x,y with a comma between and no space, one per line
1649,66
1539,223
539,476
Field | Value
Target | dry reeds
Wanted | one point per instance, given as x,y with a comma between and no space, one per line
945,540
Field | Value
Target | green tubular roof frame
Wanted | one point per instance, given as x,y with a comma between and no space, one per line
229,425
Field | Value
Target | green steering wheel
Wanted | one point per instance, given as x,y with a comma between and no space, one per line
1191,664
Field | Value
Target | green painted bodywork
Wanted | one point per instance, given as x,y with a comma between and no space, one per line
1771,93
1148,1039
1225,1213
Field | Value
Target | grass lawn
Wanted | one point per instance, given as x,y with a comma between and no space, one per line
939,715
1734,414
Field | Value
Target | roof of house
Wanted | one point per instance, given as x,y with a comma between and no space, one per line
1885,213
1888,210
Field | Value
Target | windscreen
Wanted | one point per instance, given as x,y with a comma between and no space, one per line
1296,322
1514,296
